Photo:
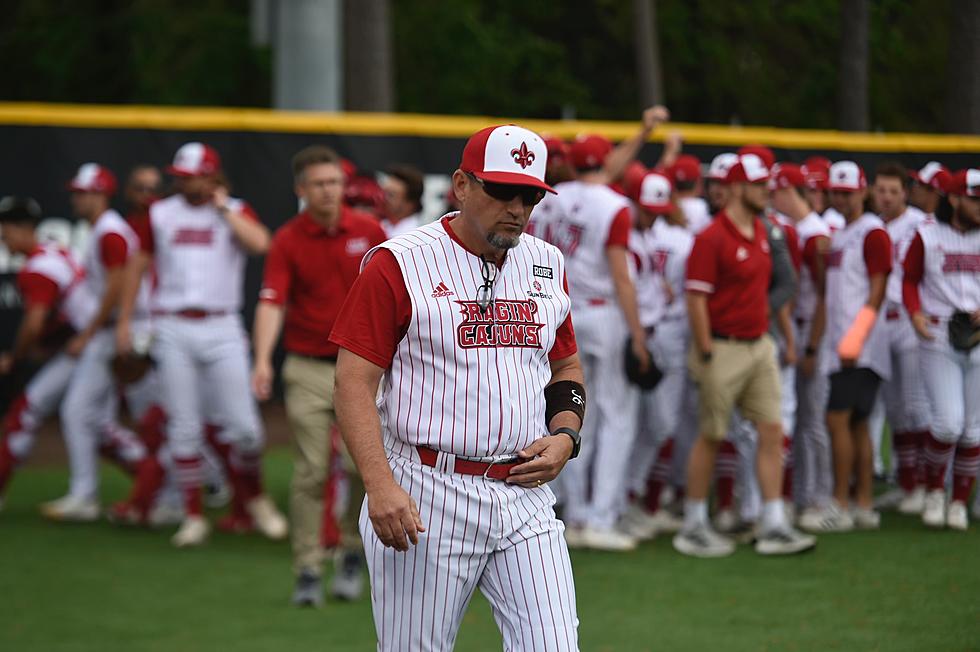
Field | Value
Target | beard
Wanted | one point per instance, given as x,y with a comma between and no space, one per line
498,241
752,207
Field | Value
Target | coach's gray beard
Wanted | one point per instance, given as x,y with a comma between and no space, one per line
498,241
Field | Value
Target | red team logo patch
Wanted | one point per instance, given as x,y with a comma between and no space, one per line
506,324
442,290
522,156
193,237
962,263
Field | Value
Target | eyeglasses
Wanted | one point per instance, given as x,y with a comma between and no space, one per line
484,293
530,196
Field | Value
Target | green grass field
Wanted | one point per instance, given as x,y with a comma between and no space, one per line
94,587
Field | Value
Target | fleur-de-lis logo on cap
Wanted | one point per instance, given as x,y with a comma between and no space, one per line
522,155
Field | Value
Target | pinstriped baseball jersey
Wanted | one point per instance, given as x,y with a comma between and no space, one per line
462,380
672,246
581,229
951,278
834,219
808,228
108,223
56,264
901,230
648,277
848,284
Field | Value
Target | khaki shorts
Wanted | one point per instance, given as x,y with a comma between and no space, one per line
741,375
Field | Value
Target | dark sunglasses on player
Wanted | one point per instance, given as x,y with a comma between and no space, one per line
506,192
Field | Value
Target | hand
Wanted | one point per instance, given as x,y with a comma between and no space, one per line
220,198
394,516
639,346
77,344
921,325
808,365
547,456
6,363
124,338
789,355
262,375
654,116
673,143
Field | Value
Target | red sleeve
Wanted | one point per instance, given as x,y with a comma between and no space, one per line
144,231
811,254
878,252
793,240
619,230
245,209
113,250
565,344
913,270
37,289
376,313
702,266
277,273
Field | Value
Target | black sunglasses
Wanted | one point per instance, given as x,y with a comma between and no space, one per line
530,196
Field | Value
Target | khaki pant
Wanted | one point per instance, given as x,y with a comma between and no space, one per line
309,406
741,374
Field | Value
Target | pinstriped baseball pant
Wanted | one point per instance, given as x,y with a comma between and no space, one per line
480,533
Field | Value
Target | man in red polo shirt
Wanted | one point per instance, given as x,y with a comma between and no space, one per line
733,361
312,263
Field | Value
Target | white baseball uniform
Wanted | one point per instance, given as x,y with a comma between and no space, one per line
834,219
696,211
590,219
463,383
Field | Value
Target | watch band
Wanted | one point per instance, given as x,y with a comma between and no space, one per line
576,439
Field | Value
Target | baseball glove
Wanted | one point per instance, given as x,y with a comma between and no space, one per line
130,367
645,381
963,333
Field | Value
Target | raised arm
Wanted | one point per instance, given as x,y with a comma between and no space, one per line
626,151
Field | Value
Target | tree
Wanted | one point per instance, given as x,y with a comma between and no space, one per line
647,45
963,79
369,80
852,91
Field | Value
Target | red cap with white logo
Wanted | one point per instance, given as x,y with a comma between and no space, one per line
721,164
686,169
653,193
589,151
749,168
847,176
92,177
507,154
195,160
787,175
965,182
934,174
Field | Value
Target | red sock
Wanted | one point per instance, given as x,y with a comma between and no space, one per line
224,452
188,472
247,468
150,475
787,469
920,458
937,456
965,466
726,466
151,428
905,446
659,476
7,464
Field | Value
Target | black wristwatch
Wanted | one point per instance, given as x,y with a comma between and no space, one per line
706,357
576,440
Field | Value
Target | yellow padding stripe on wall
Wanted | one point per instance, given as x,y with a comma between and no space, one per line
407,124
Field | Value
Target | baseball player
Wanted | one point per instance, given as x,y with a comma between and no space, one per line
403,186
941,291
855,348
927,187
591,227
716,190
905,402
464,325
811,441
198,239
56,304
685,174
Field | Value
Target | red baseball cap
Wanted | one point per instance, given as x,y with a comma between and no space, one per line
787,175
507,154
557,148
847,176
934,174
686,168
632,177
815,163
349,168
364,191
653,193
749,168
763,152
92,177
965,183
195,160
718,170
589,151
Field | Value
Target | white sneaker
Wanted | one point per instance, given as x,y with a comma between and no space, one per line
790,510
890,499
726,520
193,531
784,541
956,516
667,522
165,515
574,536
830,519
638,523
267,518
934,510
71,509
607,539
913,502
865,518
704,542
667,496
